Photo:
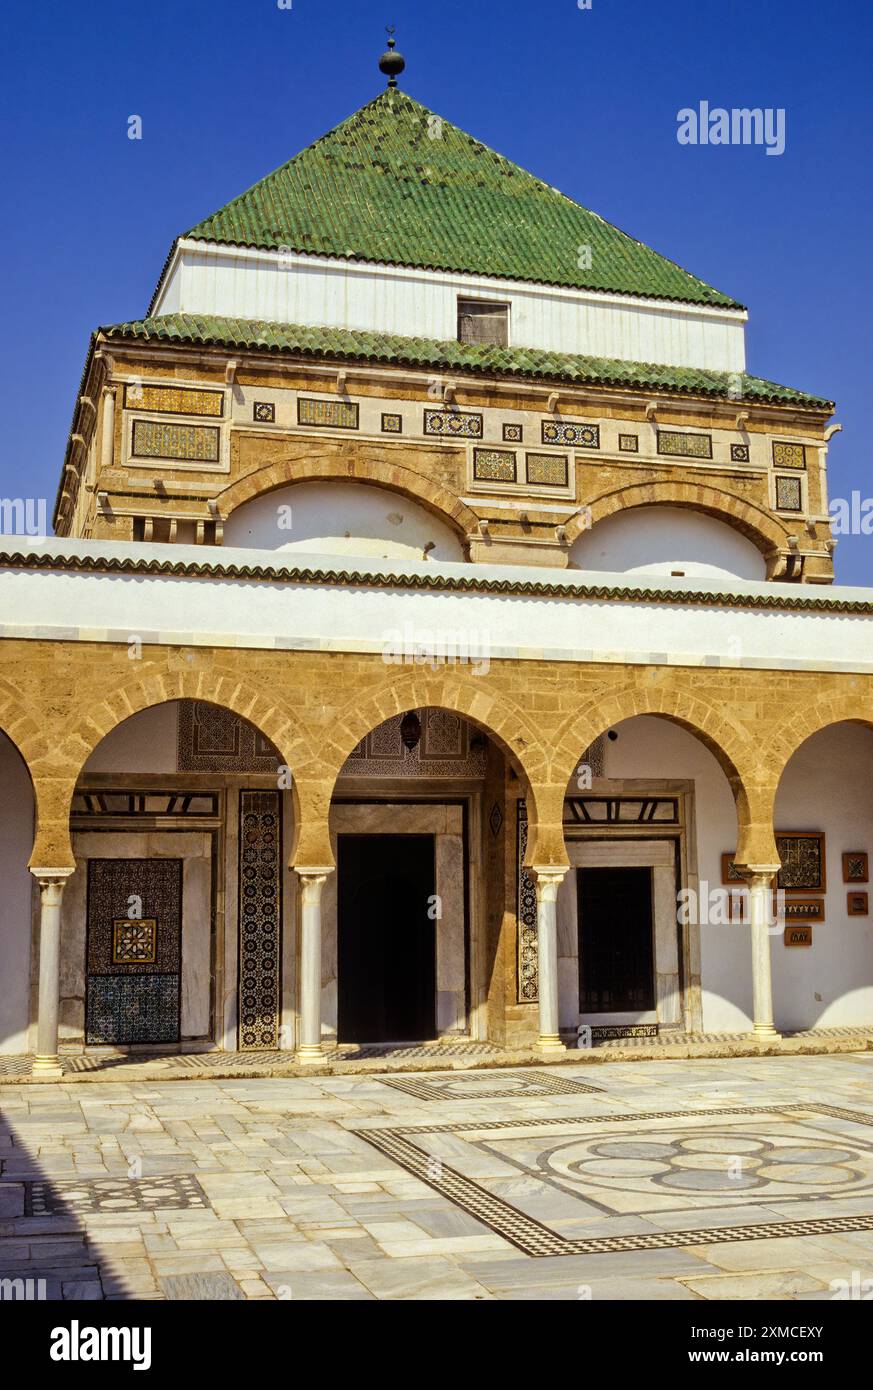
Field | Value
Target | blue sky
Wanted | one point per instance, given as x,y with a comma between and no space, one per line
587,99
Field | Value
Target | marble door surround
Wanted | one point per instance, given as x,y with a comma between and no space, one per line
660,857
446,823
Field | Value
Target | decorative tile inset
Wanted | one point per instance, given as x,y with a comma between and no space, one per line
526,911
547,470
789,497
488,1085
264,412
134,941
444,750
494,466
177,1192
391,423
133,962
260,919
629,443
495,820
513,434
680,445
577,435
787,455
337,414
214,739
459,424
611,1032
739,453
173,400
155,439
132,1009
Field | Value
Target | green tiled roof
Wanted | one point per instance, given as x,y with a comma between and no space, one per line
346,344
396,184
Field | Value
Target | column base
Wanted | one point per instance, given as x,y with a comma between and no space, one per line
309,1055
549,1045
47,1067
765,1032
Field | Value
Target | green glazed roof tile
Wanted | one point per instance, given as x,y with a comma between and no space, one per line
399,185
385,348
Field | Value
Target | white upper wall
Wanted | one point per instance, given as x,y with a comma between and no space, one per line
238,282
667,541
643,628
342,519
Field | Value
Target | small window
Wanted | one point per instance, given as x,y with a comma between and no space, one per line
479,322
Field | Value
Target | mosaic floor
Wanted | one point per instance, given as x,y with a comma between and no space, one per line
689,1179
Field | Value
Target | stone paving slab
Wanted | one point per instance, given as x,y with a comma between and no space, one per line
702,1178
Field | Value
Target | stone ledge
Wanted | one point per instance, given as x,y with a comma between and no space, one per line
16,1070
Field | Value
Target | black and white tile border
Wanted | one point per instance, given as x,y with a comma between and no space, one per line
505,1084
537,1240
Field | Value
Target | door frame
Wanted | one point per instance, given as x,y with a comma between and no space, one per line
447,818
659,855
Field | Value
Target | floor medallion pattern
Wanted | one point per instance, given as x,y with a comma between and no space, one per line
537,1182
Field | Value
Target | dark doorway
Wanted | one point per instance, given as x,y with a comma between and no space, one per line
616,949
386,938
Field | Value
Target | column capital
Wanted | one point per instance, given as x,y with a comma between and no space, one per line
758,874
549,878
49,879
312,880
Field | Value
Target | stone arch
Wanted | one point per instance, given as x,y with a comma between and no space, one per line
763,529
855,707
28,740
20,726
730,743
496,714
151,687
395,477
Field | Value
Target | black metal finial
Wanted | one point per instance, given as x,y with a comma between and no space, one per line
391,63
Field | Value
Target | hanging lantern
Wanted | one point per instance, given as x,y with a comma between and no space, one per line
410,730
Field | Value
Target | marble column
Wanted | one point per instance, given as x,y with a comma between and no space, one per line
51,882
759,879
309,1048
548,882
108,436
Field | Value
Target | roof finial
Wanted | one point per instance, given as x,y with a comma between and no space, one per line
391,63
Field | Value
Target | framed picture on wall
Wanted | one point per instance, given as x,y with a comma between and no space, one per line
803,909
857,904
730,874
802,853
803,861
855,866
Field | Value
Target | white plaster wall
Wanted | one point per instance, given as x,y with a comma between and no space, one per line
242,283
146,742
90,606
828,785
664,540
648,747
16,897
341,519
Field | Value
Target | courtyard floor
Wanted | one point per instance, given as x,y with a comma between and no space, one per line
658,1179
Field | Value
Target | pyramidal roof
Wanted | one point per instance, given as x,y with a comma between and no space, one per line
398,185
